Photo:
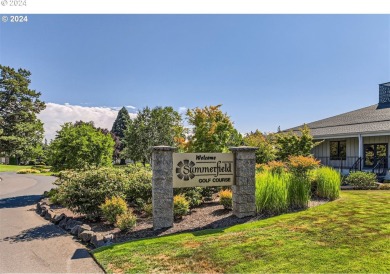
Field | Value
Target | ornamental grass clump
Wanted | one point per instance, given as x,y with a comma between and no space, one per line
181,206
113,207
272,192
226,198
299,191
328,183
28,171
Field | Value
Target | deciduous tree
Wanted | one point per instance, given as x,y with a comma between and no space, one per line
266,149
152,127
212,131
81,145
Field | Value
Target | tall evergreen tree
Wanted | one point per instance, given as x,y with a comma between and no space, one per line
121,123
21,130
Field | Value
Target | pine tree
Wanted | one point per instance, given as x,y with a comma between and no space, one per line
121,123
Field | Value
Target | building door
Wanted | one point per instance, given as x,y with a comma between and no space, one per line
373,153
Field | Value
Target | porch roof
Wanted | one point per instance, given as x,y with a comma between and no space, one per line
365,120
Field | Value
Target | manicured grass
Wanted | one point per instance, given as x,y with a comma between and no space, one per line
12,168
351,234
15,168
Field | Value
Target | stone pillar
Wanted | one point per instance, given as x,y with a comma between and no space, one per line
162,191
245,182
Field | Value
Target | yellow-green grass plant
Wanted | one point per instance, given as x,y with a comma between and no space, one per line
272,192
328,183
299,190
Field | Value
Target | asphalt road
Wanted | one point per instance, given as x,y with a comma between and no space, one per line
30,244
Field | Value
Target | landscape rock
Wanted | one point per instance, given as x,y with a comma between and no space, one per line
97,240
74,230
108,239
71,223
86,235
49,215
44,209
63,222
58,218
82,228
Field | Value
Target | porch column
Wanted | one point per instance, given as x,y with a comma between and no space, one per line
360,137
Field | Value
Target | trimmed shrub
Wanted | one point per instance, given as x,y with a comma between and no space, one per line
328,183
192,194
272,192
181,206
226,198
126,220
302,164
83,192
148,209
28,171
138,187
112,208
361,179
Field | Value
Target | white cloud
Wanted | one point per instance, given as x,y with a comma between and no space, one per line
56,115
182,110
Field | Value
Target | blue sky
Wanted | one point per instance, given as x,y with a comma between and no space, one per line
266,70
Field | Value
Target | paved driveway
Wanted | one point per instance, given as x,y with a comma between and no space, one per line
28,243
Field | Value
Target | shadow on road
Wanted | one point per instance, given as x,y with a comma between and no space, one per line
20,201
36,233
80,253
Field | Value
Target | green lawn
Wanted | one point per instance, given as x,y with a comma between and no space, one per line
15,168
12,168
351,234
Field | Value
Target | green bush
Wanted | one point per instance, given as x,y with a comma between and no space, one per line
53,195
28,171
126,220
226,198
148,209
328,183
83,192
113,207
361,179
181,206
192,194
272,192
138,187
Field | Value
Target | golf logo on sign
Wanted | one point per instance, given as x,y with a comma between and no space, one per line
203,169
183,170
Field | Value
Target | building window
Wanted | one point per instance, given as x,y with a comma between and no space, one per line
338,150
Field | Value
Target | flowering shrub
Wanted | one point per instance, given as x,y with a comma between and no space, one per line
226,198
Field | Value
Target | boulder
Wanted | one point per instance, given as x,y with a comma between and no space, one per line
71,223
63,222
109,238
86,235
97,240
82,228
49,214
58,218
74,230
44,209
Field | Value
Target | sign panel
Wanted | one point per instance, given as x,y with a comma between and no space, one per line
203,169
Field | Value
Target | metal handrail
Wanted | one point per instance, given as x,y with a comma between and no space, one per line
379,168
357,166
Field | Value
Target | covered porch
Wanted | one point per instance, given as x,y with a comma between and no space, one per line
355,153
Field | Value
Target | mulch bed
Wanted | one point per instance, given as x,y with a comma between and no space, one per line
207,216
